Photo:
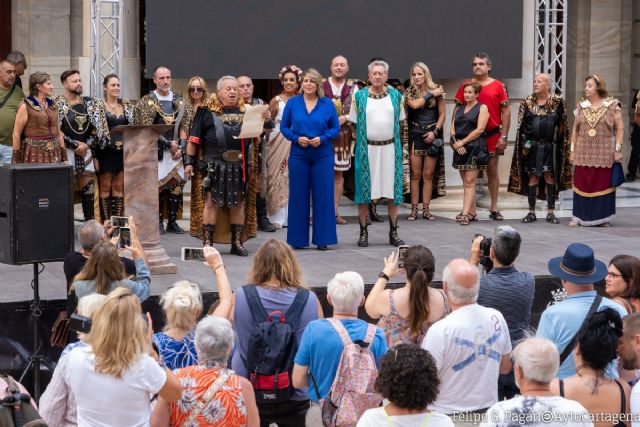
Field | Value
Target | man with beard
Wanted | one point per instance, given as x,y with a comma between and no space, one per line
229,182
83,124
340,90
163,106
10,98
245,87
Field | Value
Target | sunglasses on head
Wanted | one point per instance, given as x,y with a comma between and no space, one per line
195,89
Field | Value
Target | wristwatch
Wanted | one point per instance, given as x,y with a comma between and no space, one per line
383,275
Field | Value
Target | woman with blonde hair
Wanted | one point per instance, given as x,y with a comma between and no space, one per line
311,123
426,114
198,95
278,149
115,378
275,280
103,271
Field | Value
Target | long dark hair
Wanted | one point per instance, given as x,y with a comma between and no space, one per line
420,266
103,266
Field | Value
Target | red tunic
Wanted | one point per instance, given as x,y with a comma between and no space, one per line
494,96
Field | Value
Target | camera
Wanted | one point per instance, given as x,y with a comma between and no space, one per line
485,247
80,323
119,221
402,251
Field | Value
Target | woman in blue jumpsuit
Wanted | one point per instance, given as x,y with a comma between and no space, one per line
310,122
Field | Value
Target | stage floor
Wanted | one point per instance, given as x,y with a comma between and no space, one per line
444,237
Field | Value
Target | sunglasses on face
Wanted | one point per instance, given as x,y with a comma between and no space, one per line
195,89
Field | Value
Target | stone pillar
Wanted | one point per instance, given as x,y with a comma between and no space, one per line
130,79
141,190
40,30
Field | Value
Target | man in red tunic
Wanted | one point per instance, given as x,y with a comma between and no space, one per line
494,95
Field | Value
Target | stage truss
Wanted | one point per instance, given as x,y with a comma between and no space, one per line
107,23
551,40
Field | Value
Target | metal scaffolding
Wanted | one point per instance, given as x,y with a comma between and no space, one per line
551,39
107,23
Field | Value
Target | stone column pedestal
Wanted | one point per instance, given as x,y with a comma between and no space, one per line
141,190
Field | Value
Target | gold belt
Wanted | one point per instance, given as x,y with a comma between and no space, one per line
43,144
232,156
387,142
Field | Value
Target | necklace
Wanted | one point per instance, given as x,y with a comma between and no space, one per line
80,120
168,118
593,115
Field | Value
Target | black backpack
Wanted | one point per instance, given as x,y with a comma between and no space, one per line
16,409
272,347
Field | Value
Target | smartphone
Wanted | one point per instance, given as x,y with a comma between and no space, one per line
193,254
402,251
119,221
80,323
125,237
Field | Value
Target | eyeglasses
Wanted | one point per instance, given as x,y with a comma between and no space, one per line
613,275
196,89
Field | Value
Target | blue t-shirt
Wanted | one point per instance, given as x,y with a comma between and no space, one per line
321,350
560,322
322,121
177,354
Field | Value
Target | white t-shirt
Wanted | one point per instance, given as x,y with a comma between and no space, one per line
468,346
635,405
377,417
106,401
542,411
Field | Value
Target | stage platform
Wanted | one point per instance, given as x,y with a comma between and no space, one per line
445,238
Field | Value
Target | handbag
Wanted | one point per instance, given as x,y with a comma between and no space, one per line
617,175
60,331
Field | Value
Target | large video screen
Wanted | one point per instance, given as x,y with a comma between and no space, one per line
212,38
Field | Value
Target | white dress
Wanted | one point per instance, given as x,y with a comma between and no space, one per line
281,216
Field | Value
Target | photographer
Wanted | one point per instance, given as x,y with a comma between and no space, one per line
505,288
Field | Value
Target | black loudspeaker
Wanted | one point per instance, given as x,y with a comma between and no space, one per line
36,213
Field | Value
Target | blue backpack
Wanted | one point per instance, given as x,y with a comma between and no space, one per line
272,347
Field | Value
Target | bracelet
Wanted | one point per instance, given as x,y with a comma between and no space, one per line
571,149
618,146
383,275
188,160
217,267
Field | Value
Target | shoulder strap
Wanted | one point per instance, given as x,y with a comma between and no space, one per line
340,329
623,398
569,348
258,313
561,387
371,333
206,397
293,313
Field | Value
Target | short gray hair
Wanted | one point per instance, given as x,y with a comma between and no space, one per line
506,244
89,303
214,340
379,63
457,293
221,81
16,57
538,358
90,234
346,291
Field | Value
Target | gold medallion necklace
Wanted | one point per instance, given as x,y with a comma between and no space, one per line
80,120
593,115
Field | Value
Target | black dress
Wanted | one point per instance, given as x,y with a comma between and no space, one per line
476,156
111,157
421,121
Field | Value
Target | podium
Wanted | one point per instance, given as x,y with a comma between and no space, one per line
141,190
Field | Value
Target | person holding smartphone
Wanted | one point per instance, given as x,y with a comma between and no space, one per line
407,313
104,272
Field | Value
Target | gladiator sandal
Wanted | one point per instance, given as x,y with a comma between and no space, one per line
363,240
236,240
105,208
87,202
208,230
373,213
117,206
414,213
426,214
174,207
394,240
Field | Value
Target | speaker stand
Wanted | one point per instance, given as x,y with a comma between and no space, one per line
35,359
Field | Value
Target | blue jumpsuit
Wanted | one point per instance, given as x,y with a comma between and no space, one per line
311,171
